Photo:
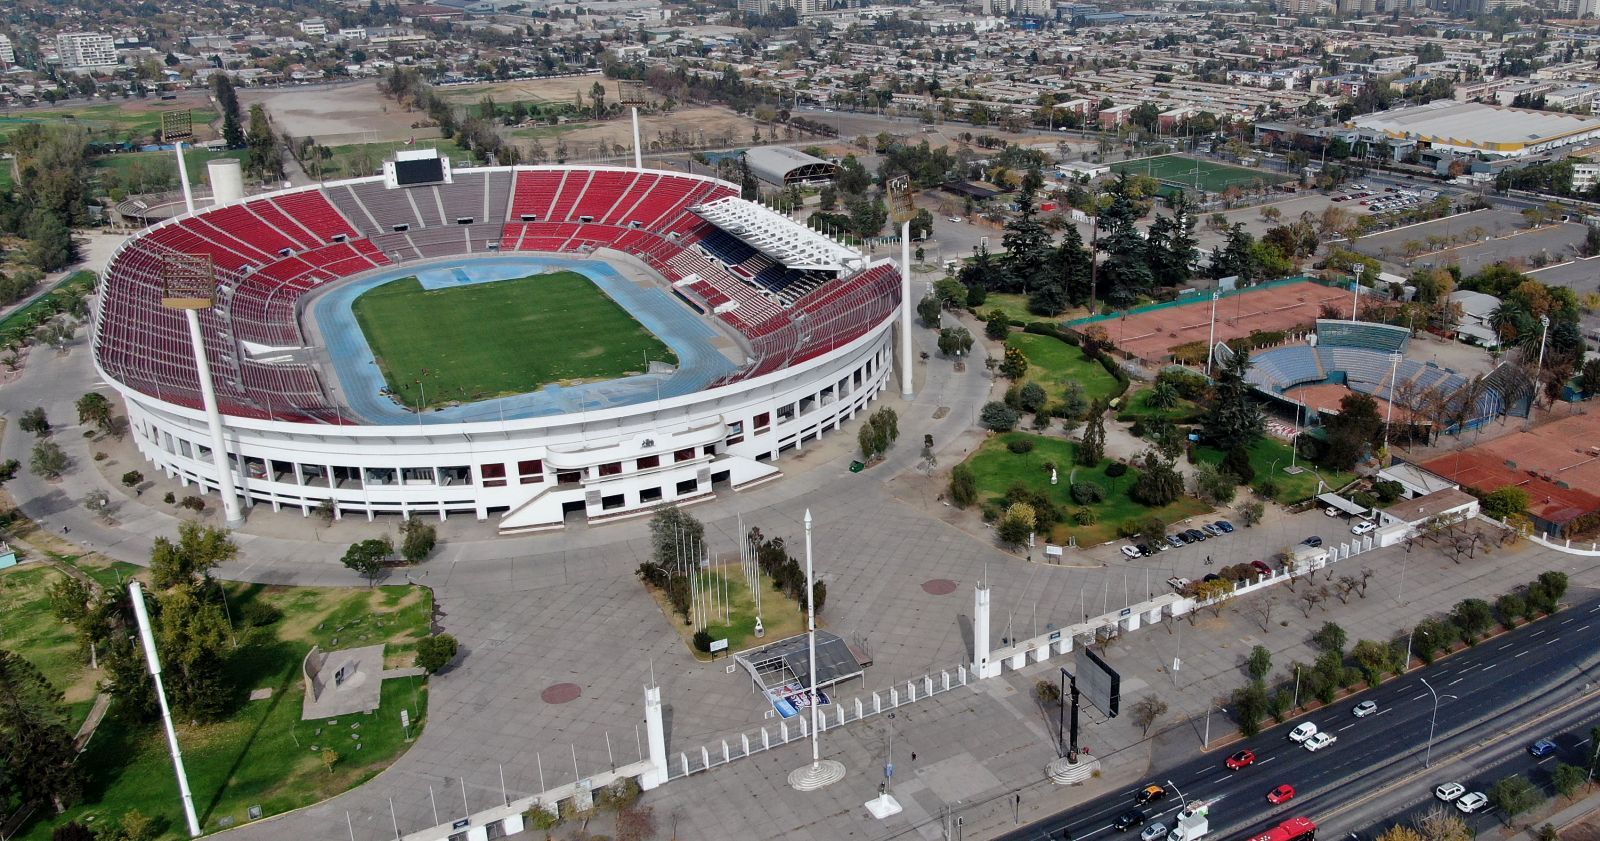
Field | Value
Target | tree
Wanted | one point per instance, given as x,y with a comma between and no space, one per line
1514,795
417,539
955,341
190,560
963,486
264,158
1400,833
1017,523
1589,378
69,599
1509,607
73,831
95,409
1442,824
1554,582
1330,637
1473,617
48,460
1237,463
1568,779
34,739
1093,448
50,245
997,326
435,652
35,421
1213,484
1249,707
137,826
675,535
366,557
1374,659
1260,609
1158,482
1505,502
928,310
1015,364
1354,432
1259,663
1145,712
193,633
1251,513
998,417
1233,419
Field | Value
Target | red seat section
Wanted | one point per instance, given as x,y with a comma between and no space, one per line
312,211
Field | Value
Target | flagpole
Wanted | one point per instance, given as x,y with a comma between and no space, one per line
821,772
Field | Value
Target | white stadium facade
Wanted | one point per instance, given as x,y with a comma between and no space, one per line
780,334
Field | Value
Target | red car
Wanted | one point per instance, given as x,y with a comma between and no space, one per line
1281,794
1241,759
1260,567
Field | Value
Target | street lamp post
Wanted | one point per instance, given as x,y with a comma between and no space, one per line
1427,760
1355,290
1388,417
1209,708
1406,666
1538,375
1211,342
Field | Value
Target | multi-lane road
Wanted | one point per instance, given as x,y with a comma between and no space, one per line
1494,700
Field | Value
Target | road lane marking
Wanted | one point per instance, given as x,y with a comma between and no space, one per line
1504,647
1265,761
1553,640
1382,711
1346,727
1518,654
1566,621
1454,682
1420,697
1583,627
1538,632
1490,666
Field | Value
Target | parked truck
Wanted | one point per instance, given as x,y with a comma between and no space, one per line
1191,824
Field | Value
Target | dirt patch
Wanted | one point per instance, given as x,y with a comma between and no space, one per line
703,127
335,116
564,89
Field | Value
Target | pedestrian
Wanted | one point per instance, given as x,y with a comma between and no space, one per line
913,756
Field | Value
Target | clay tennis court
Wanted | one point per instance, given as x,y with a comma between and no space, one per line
1558,463
1325,397
1151,335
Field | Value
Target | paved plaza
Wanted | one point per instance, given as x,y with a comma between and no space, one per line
559,638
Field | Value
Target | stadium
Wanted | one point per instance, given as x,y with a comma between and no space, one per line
539,345
1345,357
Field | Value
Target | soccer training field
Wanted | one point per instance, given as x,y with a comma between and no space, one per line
499,338
1211,176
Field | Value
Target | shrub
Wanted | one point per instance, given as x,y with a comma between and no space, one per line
1116,469
542,818
998,417
1087,493
131,478
168,498
702,641
436,652
1268,488
619,795
1020,445
1237,462
417,539
1387,490
1084,517
963,486
193,503
259,614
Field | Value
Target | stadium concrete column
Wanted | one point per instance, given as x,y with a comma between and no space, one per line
906,388
219,454
183,179
656,735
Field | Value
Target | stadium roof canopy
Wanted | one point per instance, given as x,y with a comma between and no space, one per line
1476,127
785,166
789,661
779,237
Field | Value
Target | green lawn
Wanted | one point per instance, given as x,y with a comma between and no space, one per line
1269,457
340,165
781,616
506,337
138,172
997,469
112,121
1213,177
29,629
1138,407
263,754
546,132
1053,363
48,302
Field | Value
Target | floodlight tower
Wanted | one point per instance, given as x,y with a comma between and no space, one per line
634,94
189,283
140,615
821,772
902,210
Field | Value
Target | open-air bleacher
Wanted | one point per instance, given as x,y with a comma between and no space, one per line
271,251
1362,334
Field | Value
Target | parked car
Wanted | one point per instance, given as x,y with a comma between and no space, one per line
1144,550
1332,512
1449,791
1362,527
1149,794
1313,541
1130,551
1260,567
1154,832
1541,748
1196,534
1365,708
1240,759
1469,803
1185,537
1303,732
1175,541
1319,741
1210,530
1281,794
1129,819
1227,527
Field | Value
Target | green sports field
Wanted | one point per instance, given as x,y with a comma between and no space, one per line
1210,176
499,338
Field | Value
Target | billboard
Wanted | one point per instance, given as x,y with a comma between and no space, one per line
1098,682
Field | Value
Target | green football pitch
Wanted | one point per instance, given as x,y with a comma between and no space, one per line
1190,172
504,337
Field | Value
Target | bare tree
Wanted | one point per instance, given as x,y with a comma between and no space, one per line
1366,575
1346,584
1323,595
1260,610
1146,711
1308,600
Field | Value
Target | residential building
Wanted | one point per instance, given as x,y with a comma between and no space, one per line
8,53
314,26
86,50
